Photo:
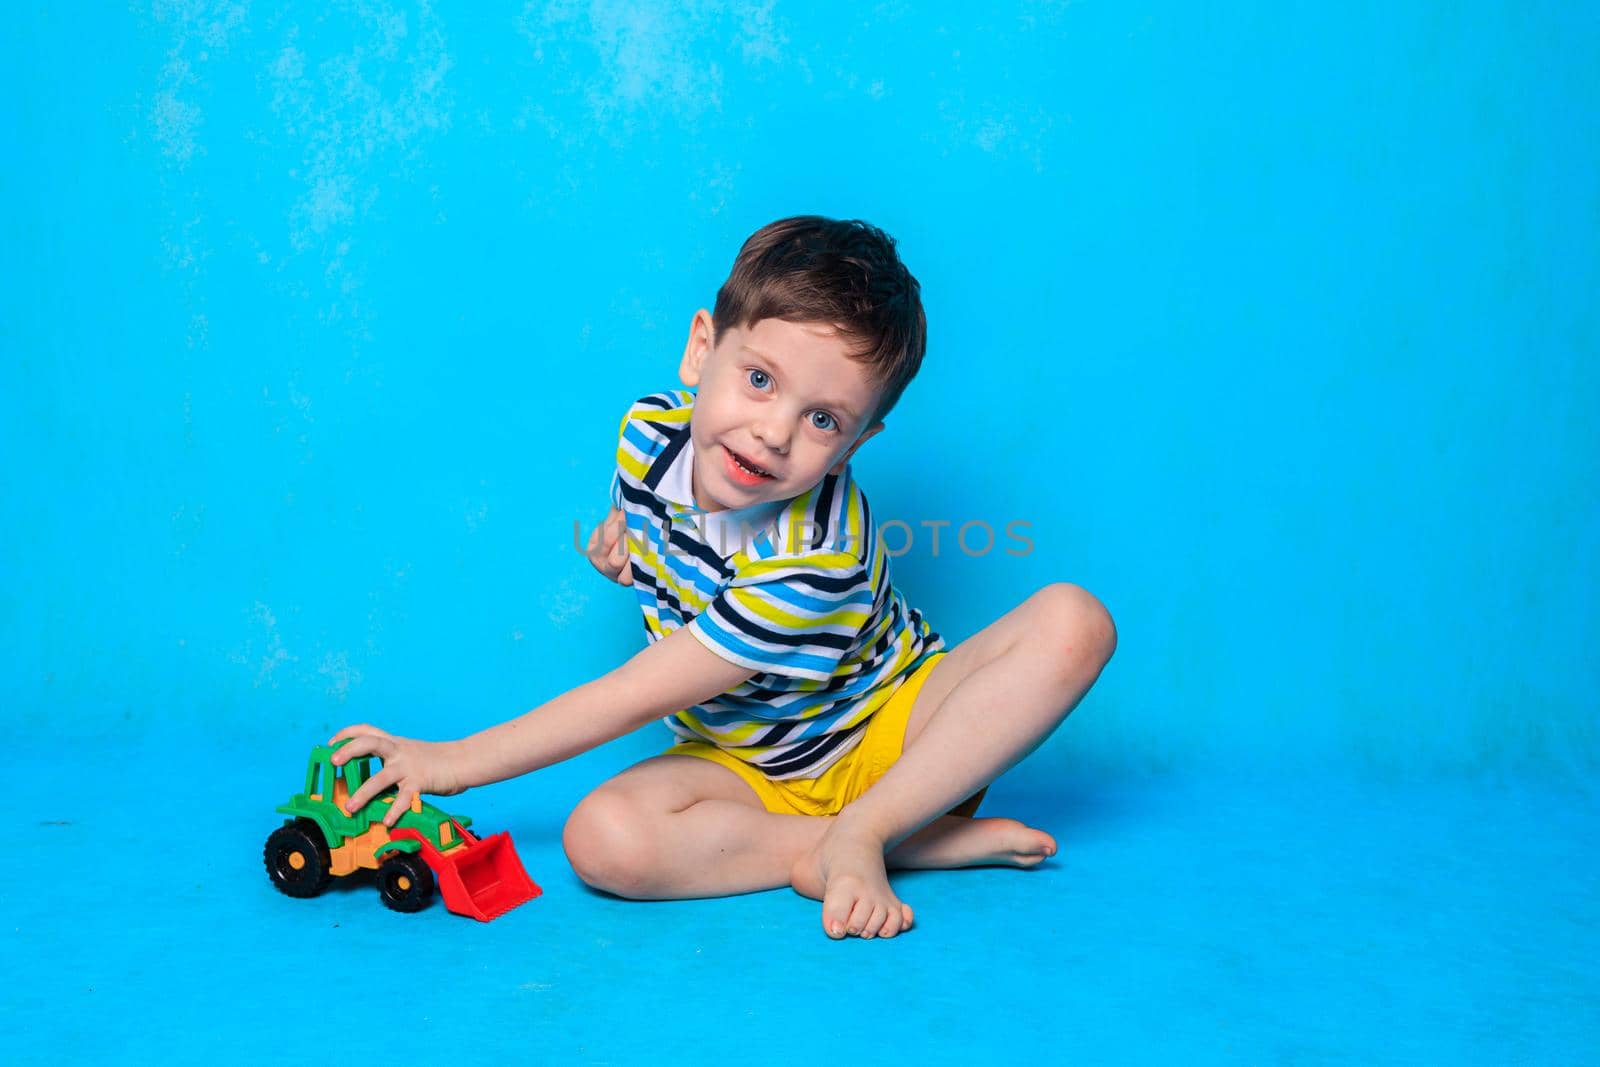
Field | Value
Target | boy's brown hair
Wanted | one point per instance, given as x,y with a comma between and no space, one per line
843,272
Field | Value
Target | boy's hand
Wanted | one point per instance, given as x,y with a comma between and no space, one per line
608,548
415,767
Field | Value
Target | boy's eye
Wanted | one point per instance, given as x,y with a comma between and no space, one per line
760,379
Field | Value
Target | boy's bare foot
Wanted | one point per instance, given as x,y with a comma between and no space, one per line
850,879
846,872
956,842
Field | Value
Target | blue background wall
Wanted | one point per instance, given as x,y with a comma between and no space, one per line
1278,328
318,324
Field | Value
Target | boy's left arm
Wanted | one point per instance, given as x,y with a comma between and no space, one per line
674,673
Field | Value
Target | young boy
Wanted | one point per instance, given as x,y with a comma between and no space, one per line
824,733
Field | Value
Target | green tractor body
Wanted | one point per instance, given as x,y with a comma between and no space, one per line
426,848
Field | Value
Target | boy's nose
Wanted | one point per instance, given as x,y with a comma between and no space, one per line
773,436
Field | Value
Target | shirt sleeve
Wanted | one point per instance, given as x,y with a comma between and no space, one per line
633,441
795,616
616,467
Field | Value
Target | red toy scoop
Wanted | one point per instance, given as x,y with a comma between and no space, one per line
485,879
481,877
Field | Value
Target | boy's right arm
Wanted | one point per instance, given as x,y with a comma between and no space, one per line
674,673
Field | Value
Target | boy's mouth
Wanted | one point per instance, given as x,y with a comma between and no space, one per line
747,466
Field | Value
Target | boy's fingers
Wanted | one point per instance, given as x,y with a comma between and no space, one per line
402,802
608,545
352,731
369,789
363,745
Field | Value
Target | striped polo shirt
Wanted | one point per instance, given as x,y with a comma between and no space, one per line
797,589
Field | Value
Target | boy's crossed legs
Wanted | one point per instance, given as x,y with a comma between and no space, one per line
676,826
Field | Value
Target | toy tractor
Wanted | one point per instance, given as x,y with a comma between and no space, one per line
426,848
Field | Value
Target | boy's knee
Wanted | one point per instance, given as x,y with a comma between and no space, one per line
1075,623
607,844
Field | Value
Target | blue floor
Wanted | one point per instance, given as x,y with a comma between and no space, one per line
1269,324
1187,919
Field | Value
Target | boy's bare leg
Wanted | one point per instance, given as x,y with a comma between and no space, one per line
677,826
984,707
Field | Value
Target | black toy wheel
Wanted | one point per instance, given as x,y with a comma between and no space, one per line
405,882
297,859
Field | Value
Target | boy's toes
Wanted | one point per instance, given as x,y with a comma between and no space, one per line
836,915
858,917
874,922
891,924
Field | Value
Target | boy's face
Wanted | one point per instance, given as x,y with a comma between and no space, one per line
782,396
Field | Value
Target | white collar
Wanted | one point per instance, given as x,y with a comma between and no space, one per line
720,529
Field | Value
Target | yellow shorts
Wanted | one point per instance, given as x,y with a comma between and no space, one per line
854,772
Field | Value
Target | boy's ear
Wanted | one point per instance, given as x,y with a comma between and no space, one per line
866,435
702,336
